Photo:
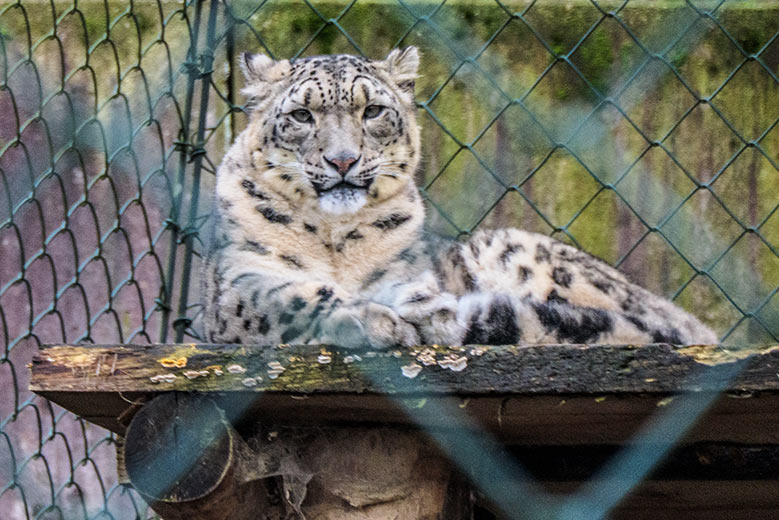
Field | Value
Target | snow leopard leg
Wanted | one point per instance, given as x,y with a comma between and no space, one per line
254,307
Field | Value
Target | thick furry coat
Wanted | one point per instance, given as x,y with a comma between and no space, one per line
319,234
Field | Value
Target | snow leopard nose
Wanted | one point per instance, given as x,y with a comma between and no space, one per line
342,162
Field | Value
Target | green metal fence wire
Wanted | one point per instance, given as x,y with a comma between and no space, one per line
644,132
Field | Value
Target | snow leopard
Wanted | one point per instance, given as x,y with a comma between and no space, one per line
319,234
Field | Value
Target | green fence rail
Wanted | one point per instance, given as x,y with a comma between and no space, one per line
642,131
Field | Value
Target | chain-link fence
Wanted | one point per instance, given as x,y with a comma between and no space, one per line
642,131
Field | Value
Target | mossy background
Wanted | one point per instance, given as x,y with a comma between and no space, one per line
639,132
496,101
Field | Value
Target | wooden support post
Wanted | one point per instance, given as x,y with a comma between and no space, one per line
189,463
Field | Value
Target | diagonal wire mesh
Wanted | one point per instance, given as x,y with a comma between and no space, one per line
644,132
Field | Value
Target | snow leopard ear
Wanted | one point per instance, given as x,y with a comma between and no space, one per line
402,65
260,72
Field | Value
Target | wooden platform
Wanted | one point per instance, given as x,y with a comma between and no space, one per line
563,411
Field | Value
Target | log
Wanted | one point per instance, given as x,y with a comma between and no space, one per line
187,461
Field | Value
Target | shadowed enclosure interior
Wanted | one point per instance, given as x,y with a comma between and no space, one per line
644,132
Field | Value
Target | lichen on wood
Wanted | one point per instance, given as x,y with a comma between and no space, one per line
578,389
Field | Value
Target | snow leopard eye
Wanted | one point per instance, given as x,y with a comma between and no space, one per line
372,111
301,115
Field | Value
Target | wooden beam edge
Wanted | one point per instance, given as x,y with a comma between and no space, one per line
470,370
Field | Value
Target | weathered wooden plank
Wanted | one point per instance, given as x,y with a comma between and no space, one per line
523,394
538,420
694,500
476,370
709,461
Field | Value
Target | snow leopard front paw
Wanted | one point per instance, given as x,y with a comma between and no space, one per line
368,325
431,311
419,300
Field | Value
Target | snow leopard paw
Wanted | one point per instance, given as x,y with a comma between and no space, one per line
368,325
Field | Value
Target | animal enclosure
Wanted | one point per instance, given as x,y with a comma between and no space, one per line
644,132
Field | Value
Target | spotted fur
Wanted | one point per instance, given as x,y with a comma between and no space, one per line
319,234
